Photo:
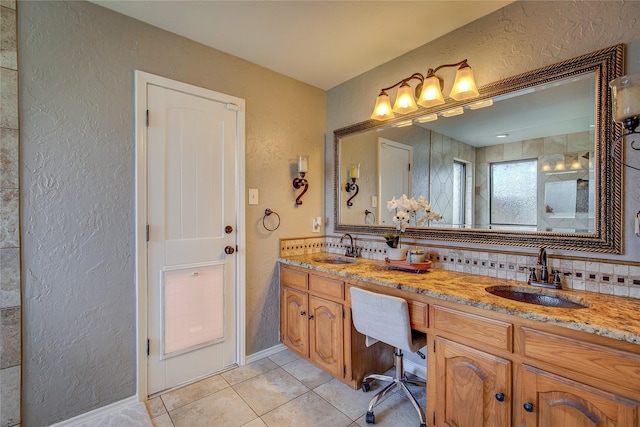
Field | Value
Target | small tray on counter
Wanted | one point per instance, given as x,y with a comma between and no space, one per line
414,267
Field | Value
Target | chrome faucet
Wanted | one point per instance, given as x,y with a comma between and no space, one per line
544,273
351,251
542,261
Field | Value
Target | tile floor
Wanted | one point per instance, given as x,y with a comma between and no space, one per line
278,391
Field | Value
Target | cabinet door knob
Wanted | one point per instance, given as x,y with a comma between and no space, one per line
228,229
500,397
528,407
302,313
310,316
229,250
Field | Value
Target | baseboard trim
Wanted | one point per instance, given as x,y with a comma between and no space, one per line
414,368
265,353
97,413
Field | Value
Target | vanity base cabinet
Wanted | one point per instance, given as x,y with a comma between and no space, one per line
315,323
473,387
294,329
326,338
551,400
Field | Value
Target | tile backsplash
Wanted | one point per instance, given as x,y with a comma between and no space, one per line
579,274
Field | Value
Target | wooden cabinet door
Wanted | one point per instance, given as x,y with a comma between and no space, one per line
326,335
556,401
473,388
294,308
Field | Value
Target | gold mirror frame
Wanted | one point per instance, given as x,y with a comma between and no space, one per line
607,64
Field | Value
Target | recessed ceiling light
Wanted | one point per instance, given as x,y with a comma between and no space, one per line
502,135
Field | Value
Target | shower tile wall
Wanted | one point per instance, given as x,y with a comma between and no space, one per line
10,306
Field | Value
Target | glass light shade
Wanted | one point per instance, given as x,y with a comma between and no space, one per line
431,94
625,92
303,164
354,171
382,110
405,102
464,87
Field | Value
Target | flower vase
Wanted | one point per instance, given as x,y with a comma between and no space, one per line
396,254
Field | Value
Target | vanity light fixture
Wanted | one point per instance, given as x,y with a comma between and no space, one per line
427,118
354,174
300,181
625,93
453,112
481,104
428,91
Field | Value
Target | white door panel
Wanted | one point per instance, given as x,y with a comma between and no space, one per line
191,197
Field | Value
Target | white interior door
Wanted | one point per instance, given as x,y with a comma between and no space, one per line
191,206
394,164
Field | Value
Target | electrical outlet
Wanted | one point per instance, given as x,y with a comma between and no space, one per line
317,222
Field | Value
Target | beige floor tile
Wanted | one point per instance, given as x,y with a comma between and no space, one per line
397,410
255,423
162,421
283,357
251,370
270,390
308,410
222,409
306,373
192,392
351,402
156,407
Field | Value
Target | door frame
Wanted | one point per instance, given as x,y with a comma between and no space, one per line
141,79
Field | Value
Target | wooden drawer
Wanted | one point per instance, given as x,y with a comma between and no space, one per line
293,278
324,286
604,363
418,313
481,329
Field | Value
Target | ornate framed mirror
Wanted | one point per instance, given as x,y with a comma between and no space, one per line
527,163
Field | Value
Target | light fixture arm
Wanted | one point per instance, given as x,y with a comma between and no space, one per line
461,64
299,182
414,76
350,187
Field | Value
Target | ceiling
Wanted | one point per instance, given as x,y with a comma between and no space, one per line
322,43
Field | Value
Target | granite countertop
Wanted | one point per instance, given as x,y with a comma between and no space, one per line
606,315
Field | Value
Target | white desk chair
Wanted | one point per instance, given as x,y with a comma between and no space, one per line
385,318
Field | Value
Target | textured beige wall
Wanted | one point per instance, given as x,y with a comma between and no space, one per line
519,37
76,87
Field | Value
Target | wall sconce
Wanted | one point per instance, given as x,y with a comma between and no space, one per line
625,93
298,182
428,92
354,174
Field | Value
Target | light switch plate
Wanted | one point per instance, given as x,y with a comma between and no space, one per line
253,196
317,223
374,201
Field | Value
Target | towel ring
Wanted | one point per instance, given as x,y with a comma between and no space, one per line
268,212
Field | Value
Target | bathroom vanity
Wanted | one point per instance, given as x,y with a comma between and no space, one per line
490,360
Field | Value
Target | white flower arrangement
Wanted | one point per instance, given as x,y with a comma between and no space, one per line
404,209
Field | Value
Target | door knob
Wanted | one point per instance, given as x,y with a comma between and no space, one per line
229,250
228,229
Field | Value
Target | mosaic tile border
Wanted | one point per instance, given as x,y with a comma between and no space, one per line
599,277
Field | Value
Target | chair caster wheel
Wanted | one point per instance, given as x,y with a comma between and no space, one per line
366,386
370,418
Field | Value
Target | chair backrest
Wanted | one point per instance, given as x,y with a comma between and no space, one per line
382,317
